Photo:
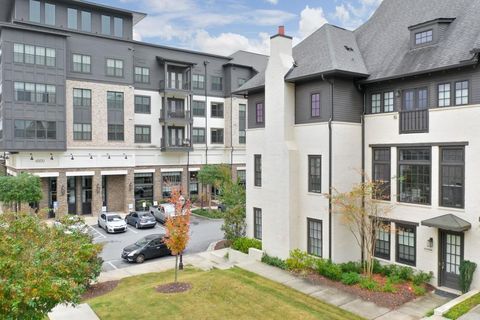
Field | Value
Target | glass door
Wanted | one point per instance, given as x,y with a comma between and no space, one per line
86,195
451,255
71,195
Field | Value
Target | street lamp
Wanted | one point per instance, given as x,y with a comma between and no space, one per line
182,201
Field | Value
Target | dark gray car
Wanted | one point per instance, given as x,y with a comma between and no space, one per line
140,219
151,246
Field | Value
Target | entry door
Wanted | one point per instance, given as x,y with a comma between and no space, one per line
71,195
451,254
176,136
86,195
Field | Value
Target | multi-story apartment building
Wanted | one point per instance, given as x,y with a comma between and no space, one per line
108,122
398,99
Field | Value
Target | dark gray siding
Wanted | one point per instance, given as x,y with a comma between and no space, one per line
236,73
303,93
347,102
253,99
12,72
146,57
430,81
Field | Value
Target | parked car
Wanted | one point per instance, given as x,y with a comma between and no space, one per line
222,207
162,211
112,223
151,246
72,225
141,219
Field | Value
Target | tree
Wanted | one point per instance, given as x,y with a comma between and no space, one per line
362,213
178,227
23,188
232,195
213,175
42,266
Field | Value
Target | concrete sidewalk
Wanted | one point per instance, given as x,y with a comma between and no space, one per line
80,312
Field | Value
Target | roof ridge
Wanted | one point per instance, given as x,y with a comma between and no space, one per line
331,52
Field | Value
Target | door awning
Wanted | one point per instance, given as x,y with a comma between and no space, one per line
448,222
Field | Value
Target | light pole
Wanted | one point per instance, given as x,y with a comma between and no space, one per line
180,265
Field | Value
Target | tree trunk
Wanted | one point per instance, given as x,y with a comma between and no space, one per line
176,267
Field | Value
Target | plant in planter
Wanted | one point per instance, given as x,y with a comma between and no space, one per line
467,268
243,244
274,261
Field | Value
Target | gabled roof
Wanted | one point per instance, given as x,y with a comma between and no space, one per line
328,49
249,59
384,39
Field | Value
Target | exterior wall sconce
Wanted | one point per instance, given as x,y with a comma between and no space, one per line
71,156
90,155
125,155
31,156
62,190
430,243
97,188
130,186
51,156
108,155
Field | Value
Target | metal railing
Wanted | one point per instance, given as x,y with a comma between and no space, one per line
176,143
415,121
186,114
175,85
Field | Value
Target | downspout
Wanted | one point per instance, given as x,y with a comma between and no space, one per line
362,251
231,133
330,166
205,63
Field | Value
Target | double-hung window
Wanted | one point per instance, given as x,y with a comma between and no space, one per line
115,119
34,7
86,21
198,81
216,136
81,63
82,103
217,83
315,105
452,176
106,25
257,223
82,131
415,99
216,110
444,95
257,159
198,108
142,134
314,236
388,101
198,135
382,240
242,119
114,68
424,37
49,14
118,27
315,174
376,103
259,113
461,93
381,173
406,244
142,104
72,17
414,175
142,75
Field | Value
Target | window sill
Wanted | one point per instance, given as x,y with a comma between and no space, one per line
315,194
415,205
389,260
460,210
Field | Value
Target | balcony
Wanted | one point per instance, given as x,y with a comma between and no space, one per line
175,85
176,145
414,121
176,117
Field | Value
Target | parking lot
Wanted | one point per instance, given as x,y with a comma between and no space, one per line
202,233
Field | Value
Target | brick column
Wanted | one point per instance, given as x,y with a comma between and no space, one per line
157,185
185,179
62,195
44,183
234,173
97,200
129,189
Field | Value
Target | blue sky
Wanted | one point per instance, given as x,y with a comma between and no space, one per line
224,26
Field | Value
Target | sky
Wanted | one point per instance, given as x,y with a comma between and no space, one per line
225,26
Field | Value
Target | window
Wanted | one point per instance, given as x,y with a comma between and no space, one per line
216,136
50,57
381,173
415,99
82,98
114,68
81,63
170,181
41,130
72,16
82,131
143,189
193,183
50,14
34,11
118,27
198,108
257,159
198,135
259,112
33,55
408,99
376,103
217,83
422,98
31,92
29,54
115,100
216,110
406,244
40,56
257,223
142,104
452,177
424,37
414,166
315,174
242,119
388,101
314,236
242,177
241,82
86,21
198,81
142,75
444,95
115,132
18,52
106,25
461,93
315,105
142,134
382,241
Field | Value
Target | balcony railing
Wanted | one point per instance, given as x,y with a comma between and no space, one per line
175,115
176,144
415,121
175,85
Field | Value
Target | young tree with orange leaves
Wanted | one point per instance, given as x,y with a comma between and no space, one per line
178,227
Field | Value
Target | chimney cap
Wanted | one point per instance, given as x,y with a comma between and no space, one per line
281,33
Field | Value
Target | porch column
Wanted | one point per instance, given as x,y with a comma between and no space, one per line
129,190
62,200
97,199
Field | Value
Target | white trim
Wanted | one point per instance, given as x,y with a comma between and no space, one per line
194,169
114,173
11,172
80,173
172,170
46,174
241,168
144,171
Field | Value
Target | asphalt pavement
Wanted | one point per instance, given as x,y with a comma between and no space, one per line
202,233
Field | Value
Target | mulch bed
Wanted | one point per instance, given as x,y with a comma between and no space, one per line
222,244
388,300
174,287
99,289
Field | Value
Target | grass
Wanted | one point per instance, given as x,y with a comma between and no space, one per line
463,307
216,294
209,213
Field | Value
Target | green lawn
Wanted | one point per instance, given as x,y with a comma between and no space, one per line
216,294
212,214
463,307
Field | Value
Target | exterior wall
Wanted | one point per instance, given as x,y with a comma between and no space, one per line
303,95
116,193
151,119
100,118
253,99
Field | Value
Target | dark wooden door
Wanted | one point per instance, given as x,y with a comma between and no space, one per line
451,254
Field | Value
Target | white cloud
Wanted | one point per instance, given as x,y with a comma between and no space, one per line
163,6
272,1
228,43
352,16
346,18
269,17
310,20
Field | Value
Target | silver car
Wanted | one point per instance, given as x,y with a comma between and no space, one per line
112,223
163,211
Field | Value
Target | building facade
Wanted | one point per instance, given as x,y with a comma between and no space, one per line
396,99
110,123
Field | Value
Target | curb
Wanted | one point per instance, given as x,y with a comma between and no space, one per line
206,218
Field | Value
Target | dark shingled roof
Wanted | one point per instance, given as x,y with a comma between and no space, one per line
381,47
448,222
249,59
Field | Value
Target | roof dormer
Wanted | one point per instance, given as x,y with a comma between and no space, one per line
429,32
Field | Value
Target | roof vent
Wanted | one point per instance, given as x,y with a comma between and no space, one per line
348,48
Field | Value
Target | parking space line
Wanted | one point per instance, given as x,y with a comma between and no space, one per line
112,265
132,230
100,235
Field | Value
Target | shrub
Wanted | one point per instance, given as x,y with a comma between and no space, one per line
350,278
368,283
405,273
421,278
300,261
329,270
274,261
243,244
377,267
394,279
351,267
419,290
389,286
467,268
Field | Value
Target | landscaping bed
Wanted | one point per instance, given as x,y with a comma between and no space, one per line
209,213
99,289
463,307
